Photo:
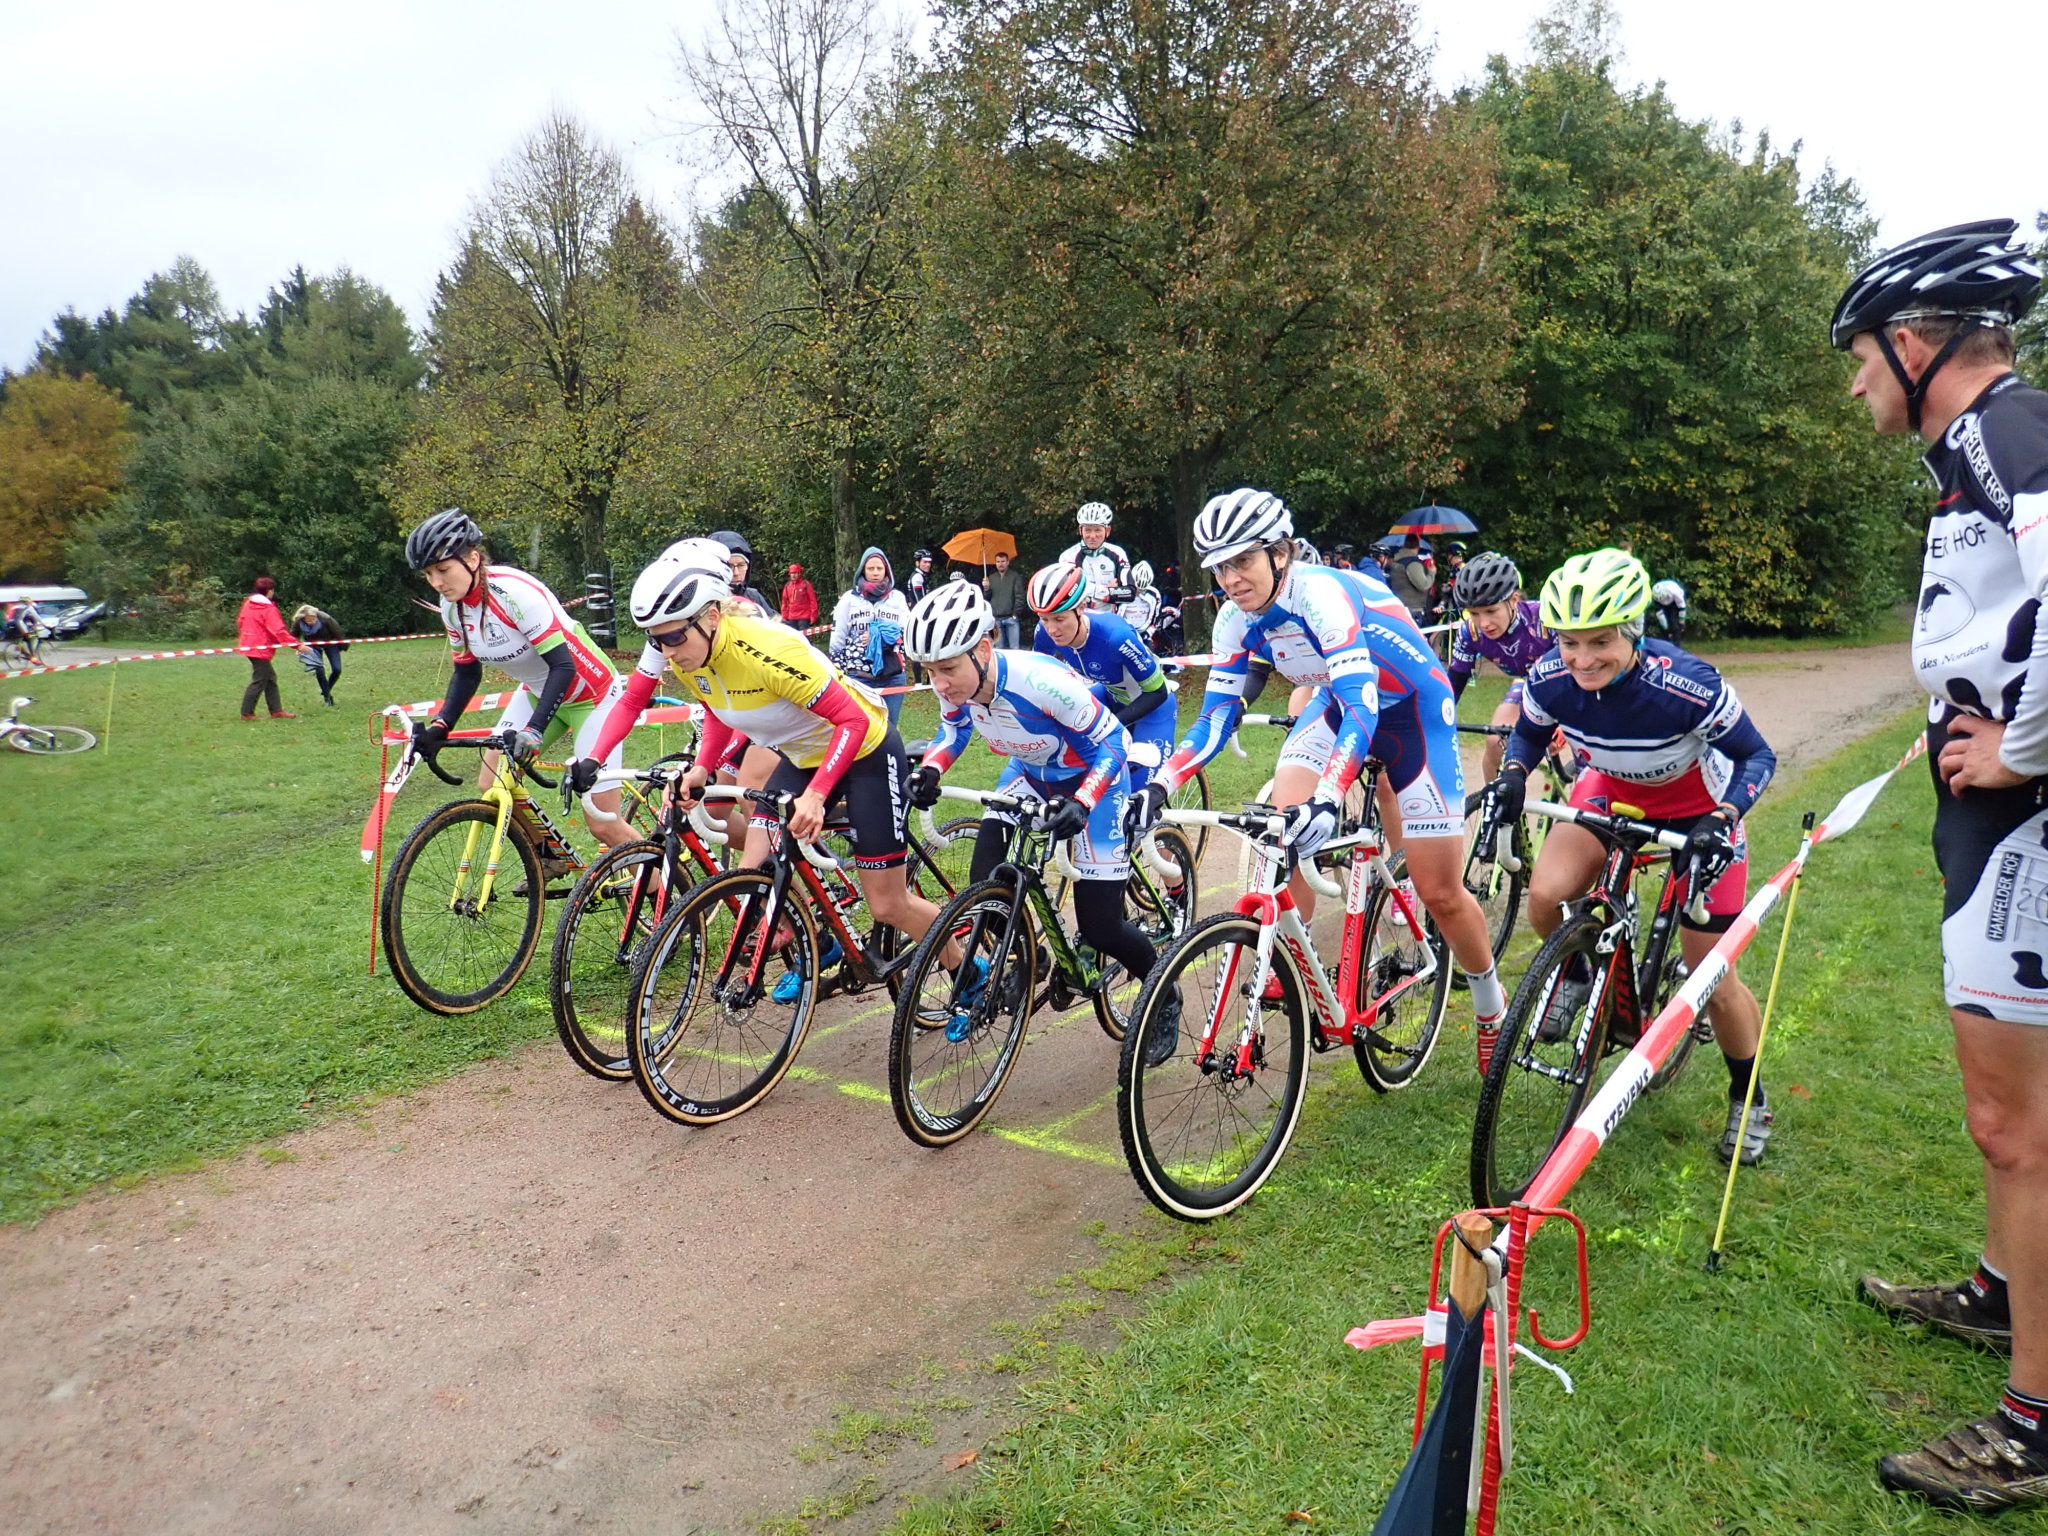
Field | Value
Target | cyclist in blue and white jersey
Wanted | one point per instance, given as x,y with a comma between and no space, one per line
1143,610
1062,743
504,617
1111,655
1105,564
1657,728
1501,626
1379,692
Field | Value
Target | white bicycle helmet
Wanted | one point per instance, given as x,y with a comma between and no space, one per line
1240,520
1307,553
1141,574
1667,594
948,621
1093,514
681,582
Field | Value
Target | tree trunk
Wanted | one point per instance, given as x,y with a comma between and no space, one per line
600,613
846,545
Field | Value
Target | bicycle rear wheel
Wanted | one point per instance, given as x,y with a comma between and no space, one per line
51,740
450,949
608,918
710,1037
1204,1123
1161,909
1543,1064
1405,1030
954,1041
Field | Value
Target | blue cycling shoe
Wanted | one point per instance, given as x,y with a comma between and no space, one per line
790,985
961,1025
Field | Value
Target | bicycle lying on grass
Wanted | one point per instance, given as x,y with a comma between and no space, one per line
723,992
1205,1125
958,1030
457,933
49,740
1585,994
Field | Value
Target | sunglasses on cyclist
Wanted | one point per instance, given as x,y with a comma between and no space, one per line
672,640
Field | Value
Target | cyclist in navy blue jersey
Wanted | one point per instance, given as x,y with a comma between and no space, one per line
1111,655
1930,325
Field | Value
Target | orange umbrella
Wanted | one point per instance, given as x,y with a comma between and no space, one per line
978,546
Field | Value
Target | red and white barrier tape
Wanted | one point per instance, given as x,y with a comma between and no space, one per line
214,650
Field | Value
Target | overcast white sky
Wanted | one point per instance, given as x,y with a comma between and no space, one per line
258,136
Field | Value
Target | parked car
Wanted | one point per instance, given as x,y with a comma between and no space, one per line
67,612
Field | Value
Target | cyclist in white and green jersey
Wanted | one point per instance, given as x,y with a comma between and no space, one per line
503,616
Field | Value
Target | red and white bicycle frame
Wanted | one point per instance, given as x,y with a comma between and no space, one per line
1271,905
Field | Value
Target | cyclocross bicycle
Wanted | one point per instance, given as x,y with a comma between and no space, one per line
1586,993
1204,1126
723,993
958,1029
49,740
458,925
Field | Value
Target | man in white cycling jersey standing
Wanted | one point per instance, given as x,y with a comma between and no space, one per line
1930,323
1106,566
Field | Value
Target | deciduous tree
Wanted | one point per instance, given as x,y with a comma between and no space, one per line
63,444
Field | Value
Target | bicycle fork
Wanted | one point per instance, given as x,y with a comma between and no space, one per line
496,795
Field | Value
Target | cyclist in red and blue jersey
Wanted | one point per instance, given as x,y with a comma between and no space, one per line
1656,728
1063,744
1501,626
1112,655
1379,692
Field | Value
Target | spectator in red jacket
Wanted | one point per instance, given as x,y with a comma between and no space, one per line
799,599
259,631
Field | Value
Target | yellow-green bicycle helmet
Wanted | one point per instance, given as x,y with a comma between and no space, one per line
1594,590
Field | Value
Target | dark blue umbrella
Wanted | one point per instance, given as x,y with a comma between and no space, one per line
1429,1498
1434,519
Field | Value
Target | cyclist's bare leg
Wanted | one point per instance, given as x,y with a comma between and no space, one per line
892,901
2005,1091
1732,1010
1436,866
1565,870
1508,715
614,833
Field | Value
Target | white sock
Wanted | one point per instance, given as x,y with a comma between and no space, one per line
1489,1002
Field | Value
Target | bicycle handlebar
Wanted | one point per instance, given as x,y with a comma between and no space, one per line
1501,731
1696,905
818,858
612,778
1270,827
491,743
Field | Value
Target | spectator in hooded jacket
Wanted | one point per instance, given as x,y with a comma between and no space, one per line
259,631
868,623
799,599
322,659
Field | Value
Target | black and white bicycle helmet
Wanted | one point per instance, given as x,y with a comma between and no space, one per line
1093,514
948,621
681,582
1487,579
444,536
1141,575
1240,520
1975,273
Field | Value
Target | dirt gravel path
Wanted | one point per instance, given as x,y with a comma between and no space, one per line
519,1301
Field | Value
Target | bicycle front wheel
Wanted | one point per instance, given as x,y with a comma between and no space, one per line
1207,1097
1543,1064
1410,1010
451,946
1497,889
52,740
956,1033
1696,1033
722,997
608,918
1160,908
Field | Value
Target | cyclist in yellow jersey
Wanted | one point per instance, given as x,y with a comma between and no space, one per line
761,682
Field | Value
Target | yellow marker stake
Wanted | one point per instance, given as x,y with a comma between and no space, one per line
1756,1065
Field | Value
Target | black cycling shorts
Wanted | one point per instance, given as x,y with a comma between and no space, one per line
876,806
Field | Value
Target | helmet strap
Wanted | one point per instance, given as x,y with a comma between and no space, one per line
1916,391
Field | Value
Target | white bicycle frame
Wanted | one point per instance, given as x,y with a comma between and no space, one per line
1063,866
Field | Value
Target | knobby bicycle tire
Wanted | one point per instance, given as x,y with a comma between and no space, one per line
1201,1135
1697,1032
612,912
451,953
1548,1081
1405,1033
950,1055
1193,795
703,1047
1161,913
51,740
1497,889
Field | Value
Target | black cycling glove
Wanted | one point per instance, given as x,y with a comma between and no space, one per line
924,786
1510,794
1066,817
